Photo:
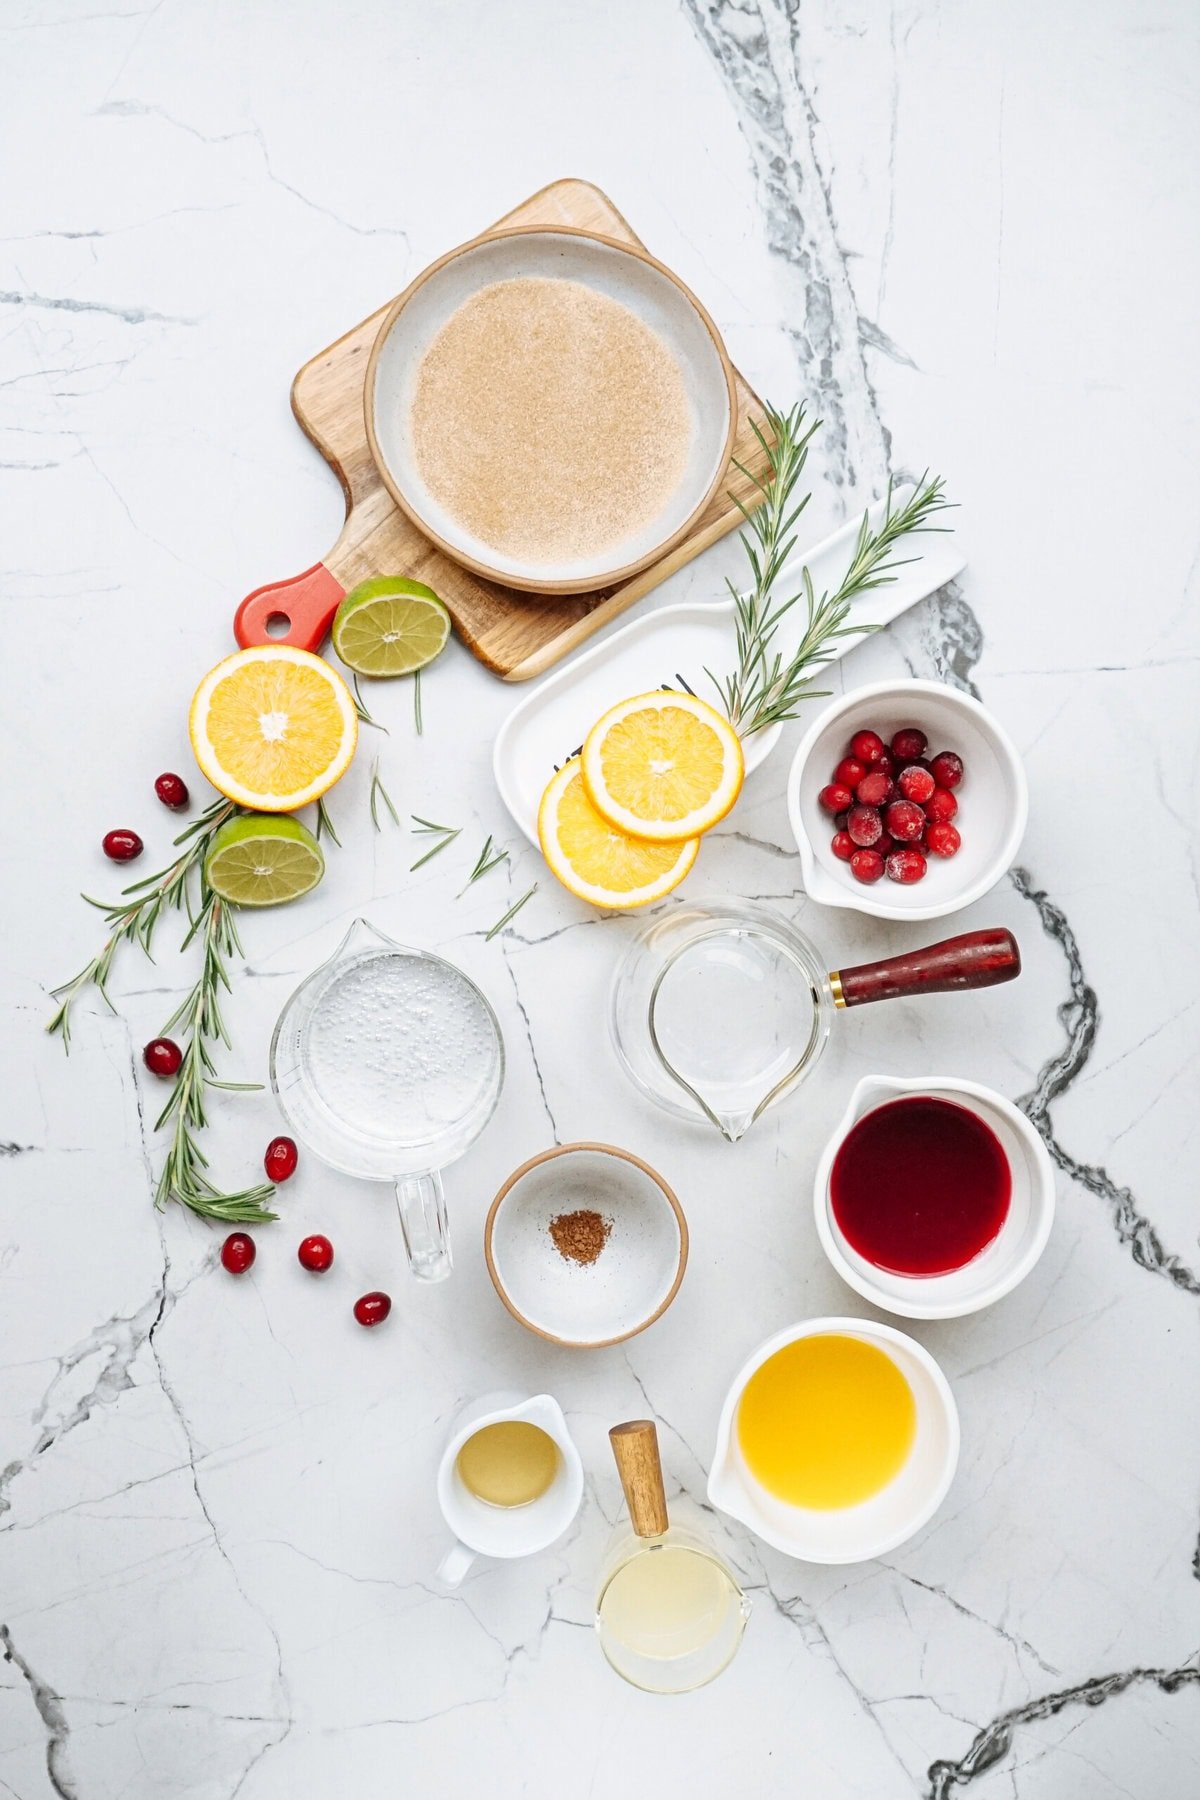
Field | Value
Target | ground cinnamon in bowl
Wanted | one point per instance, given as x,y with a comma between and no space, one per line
580,1236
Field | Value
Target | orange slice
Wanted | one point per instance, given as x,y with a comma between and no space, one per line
664,766
597,862
273,727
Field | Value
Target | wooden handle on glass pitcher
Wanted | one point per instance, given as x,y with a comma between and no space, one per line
635,1446
977,959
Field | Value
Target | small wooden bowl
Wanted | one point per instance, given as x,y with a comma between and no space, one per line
642,284
633,1280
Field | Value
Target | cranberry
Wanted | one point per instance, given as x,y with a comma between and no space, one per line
172,791
886,764
906,865
839,820
238,1252
835,798
281,1159
909,744
842,844
162,1056
372,1309
121,845
941,806
875,789
849,772
884,844
915,783
947,769
866,866
905,821
867,746
943,840
864,825
316,1254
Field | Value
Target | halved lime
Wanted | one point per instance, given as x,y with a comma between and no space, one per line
263,859
390,626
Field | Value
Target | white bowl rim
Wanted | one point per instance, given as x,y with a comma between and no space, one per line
888,1334
865,900
1043,1198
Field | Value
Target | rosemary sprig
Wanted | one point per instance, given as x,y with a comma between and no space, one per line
511,914
378,793
487,860
184,1176
360,707
325,826
765,689
418,720
133,919
423,827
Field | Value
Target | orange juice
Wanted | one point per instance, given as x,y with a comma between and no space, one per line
826,1422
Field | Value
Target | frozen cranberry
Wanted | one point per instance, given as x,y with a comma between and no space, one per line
162,1056
905,821
238,1252
864,825
372,1309
867,746
947,769
942,840
172,791
941,806
839,820
915,783
886,764
884,844
316,1254
866,866
281,1159
842,844
849,772
122,845
835,798
909,744
906,866
875,789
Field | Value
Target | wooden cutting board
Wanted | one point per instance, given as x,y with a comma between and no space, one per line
516,635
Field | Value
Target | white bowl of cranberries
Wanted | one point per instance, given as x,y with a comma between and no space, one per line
908,801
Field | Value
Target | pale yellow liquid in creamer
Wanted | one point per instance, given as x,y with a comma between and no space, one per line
511,1463
667,1602
826,1422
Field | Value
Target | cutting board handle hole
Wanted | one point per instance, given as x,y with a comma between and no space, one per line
278,625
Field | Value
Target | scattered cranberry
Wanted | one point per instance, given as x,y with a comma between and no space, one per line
172,791
238,1252
162,1056
372,1309
864,825
281,1159
875,789
909,744
942,840
316,1254
122,846
915,783
906,865
866,866
842,844
941,806
849,772
947,769
835,798
866,746
905,821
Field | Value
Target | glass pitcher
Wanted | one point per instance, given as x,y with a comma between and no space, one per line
388,1062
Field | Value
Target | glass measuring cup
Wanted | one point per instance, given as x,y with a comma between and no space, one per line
718,1011
388,1063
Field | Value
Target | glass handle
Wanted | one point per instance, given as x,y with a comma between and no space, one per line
426,1229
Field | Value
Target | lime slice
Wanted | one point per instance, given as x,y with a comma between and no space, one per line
390,626
263,859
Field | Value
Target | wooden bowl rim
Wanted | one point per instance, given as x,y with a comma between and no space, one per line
502,578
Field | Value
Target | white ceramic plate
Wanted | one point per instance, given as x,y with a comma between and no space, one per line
557,253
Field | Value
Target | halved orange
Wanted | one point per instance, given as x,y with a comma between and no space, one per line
273,727
595,860
664,766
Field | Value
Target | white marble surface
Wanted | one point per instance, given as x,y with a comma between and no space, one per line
967,233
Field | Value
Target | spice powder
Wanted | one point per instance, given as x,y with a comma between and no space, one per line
549,420
580,1236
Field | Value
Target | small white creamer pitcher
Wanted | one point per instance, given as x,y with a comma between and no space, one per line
506,1531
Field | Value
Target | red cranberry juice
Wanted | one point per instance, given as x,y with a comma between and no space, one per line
920,1186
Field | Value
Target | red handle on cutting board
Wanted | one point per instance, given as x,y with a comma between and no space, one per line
301,610
977,959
